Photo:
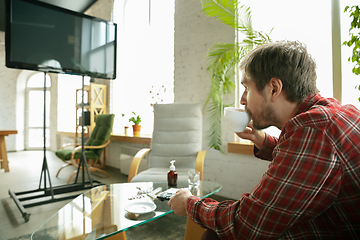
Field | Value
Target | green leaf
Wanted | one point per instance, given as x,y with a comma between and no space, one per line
215,120
135,119
354,41
224,10
357,70
223,58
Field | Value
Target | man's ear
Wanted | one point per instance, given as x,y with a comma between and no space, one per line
276,88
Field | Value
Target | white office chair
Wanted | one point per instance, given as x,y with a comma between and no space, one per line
177,135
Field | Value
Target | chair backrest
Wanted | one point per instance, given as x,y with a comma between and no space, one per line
177,135
101,132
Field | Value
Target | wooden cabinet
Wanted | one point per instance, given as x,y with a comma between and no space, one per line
94,104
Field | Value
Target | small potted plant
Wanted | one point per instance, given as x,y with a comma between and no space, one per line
125,127
136,127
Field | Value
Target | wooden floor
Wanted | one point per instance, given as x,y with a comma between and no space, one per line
24,175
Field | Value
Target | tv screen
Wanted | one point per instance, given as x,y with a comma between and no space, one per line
47,38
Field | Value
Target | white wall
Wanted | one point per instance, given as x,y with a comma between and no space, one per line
194,34
7,97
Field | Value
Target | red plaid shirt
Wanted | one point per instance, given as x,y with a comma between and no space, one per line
311,189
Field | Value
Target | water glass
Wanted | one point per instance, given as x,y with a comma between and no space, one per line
193,179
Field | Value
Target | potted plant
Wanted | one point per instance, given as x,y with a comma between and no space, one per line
136,127
224,58
125,127
354,39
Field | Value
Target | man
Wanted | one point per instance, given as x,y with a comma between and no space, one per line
311,189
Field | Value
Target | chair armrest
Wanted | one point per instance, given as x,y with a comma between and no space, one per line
199,166
69,145
97,147
85,147
136,162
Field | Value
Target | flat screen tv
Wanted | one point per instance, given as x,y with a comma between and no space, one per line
47,38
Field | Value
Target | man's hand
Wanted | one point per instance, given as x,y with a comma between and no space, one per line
250,133
178,201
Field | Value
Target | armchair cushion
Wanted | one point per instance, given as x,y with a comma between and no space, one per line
99,139
65,154
177,135
101,133
99,136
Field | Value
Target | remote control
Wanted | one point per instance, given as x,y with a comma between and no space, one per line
165,196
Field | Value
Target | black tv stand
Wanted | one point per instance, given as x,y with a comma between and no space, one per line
45,194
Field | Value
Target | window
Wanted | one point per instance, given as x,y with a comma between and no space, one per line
34,123
307,21
349,95
100,47
67,85
145,60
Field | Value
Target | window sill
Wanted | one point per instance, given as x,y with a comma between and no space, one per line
242,148
233,147
143,139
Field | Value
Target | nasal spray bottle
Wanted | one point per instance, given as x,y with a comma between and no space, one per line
172,175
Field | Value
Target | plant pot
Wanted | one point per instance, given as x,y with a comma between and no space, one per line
136,130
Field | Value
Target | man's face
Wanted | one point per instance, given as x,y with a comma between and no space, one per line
257,105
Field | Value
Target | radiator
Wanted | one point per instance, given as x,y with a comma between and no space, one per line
126,156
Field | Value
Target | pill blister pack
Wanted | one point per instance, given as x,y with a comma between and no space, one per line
148,192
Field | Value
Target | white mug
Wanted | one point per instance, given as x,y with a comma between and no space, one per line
237,118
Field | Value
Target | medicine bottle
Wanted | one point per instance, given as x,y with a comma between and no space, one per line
172,175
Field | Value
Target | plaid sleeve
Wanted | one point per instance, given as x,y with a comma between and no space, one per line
266,151
209,213
301,182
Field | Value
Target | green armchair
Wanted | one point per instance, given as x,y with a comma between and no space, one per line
94,147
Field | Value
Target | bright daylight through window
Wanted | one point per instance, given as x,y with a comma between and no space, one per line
145,59
311,23
34,124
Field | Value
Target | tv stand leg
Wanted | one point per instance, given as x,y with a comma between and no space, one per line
24,214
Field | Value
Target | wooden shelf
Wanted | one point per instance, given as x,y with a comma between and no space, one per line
144,139
131,139
242,148
94,102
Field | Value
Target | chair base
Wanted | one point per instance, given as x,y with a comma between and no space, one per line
63,166
91,169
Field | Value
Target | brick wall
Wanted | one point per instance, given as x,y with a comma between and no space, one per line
194,34
7,96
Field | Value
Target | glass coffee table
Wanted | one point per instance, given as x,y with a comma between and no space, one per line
105,211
